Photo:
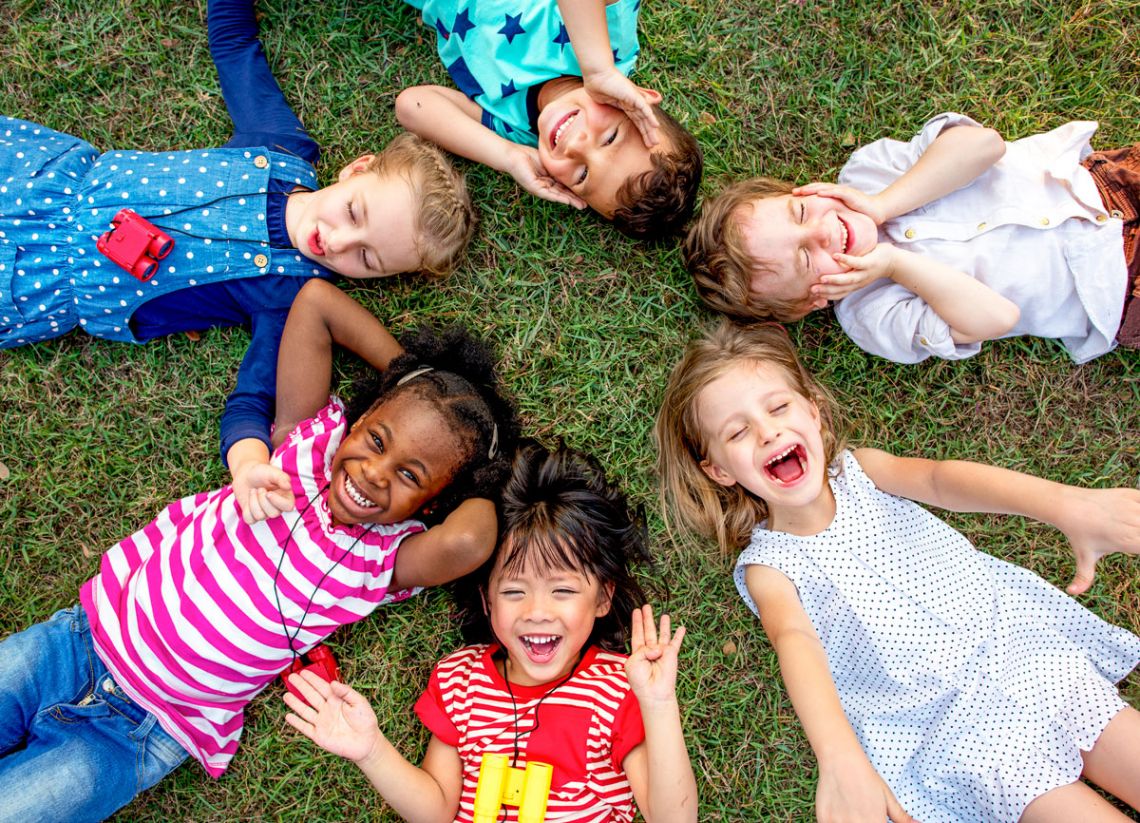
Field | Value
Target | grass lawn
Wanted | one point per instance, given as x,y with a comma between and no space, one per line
96,437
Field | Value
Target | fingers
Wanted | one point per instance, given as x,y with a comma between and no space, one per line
678,636
556,193
895,812
1083,579
301,710
813,188
650,626
637,631
300,725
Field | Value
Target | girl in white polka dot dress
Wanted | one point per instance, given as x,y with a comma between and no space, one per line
922,669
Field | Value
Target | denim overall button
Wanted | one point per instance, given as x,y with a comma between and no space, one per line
261,161
261,261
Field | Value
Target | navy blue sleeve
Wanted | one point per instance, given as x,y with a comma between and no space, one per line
259,111
250,407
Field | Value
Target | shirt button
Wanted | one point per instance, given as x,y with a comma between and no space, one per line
909,233
1044,221
924,341
261,161
1102,218
261,261
981,226
1117,213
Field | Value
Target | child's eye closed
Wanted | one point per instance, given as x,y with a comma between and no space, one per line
611,138
582,176
351,213
803,212
736,435
780,408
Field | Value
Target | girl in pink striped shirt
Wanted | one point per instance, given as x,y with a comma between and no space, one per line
547,682
192,616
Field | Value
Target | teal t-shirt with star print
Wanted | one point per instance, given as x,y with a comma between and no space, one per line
500,52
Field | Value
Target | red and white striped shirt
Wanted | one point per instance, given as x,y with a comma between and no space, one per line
584,728
184,613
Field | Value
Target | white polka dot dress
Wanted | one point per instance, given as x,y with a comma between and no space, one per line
972,684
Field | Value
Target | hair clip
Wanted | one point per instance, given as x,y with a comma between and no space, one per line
491,452
414,374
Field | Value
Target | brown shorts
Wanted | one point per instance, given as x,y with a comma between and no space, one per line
1117,176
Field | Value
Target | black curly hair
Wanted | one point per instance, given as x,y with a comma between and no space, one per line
560,512
463,387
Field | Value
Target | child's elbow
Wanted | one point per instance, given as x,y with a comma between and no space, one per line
991,146
1007,316
409,105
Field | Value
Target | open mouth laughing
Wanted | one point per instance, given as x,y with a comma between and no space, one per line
560,128
540,648
315,245
845,236
787,467
356,495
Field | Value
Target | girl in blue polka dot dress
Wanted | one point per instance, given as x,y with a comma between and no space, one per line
250,225
922,669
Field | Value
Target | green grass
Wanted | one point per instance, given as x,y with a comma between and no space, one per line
97,437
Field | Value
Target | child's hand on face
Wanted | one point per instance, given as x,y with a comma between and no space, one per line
652,667
527,170
613,88
262,491
336,718
853,791
854,199
1098,522
879,262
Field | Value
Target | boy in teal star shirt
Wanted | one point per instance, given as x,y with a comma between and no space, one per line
543,94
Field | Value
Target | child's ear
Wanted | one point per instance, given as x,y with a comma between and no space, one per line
605,600
652,97
355,167
716,474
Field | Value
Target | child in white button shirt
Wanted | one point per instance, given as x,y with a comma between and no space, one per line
932,246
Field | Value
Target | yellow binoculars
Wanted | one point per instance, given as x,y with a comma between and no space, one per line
500,784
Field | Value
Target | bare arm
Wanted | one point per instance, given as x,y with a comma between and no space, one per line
659,771
1096,521
848,784
340,721
447,118
323,315
457,546
957,156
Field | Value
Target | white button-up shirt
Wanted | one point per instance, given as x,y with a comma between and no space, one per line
1033,228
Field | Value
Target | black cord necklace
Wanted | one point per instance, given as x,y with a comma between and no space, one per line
538,705
291,638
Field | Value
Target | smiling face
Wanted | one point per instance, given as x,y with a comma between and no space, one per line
591,148
794,239
543,618
763,434
362,226
398,456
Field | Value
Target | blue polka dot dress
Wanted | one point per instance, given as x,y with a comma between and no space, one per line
58,195
972,684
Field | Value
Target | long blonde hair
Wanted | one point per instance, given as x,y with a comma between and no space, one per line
726,513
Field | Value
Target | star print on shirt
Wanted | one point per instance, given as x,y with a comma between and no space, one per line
442,29
563,36
507,89
462,24
512,28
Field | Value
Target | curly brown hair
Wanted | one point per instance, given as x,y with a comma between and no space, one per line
721,266
445,221
658,203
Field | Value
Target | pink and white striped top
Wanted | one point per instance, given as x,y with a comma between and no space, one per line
583,727
184,613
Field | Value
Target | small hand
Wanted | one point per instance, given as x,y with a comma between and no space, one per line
854,199
853,792
877,263
652,666
613,88
1098,522
337,718
528,172
262,491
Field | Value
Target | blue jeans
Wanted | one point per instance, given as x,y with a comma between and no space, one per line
73,746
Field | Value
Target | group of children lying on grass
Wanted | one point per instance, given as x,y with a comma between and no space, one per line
932,680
